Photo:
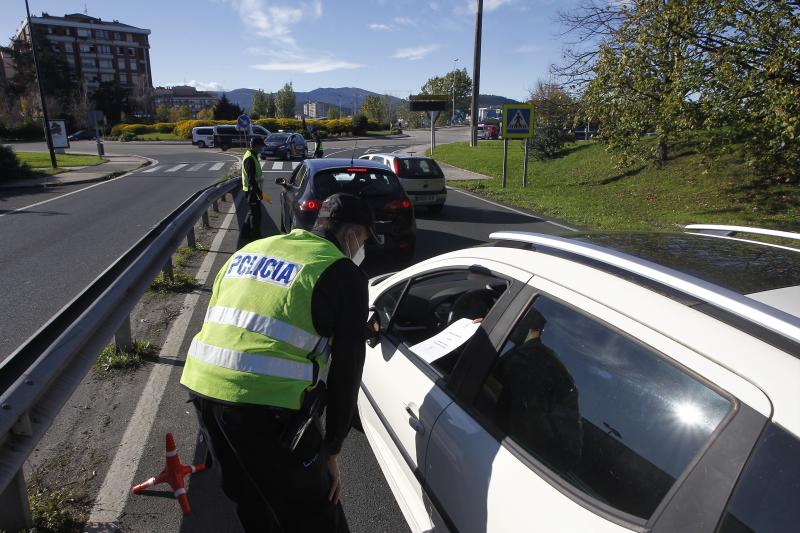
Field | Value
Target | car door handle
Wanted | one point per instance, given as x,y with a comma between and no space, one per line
413,420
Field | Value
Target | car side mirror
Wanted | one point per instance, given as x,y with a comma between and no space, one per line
280,181
373,328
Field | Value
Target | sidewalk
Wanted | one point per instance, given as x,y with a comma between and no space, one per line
451,173
115,166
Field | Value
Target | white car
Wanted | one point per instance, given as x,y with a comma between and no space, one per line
597,383
203,136
421,178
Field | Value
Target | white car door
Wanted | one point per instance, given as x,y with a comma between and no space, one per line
583,423
401,395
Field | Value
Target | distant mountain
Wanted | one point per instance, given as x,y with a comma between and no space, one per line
344,97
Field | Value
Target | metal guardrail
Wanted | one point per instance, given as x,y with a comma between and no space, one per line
41,375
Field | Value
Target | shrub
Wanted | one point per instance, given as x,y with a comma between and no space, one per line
127,136
117,129
10,166
137,129
183,128
395,131
360,125
164,127
28,131
322,133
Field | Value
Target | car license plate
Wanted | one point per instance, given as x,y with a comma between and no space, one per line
381,239
425,198
269,152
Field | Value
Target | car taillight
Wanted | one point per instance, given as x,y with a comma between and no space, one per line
397,205
309,205
396,166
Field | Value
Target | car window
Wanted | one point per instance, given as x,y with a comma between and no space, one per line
767,497
295,173
433,303
359,181
419,168
300,177
205,131
610,416
277,138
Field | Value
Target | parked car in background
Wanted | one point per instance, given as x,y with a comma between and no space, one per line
421,177
482,132
285,146
203,136
229,136
492,131
82,135
596,383
314,180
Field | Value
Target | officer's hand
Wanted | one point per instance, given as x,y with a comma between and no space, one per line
336,476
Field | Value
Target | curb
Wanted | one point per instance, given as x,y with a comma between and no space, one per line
107,177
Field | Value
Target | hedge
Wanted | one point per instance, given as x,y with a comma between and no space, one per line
29,131
141,129
10,166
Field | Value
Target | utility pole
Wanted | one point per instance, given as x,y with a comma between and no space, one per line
476,77
48,136
453,118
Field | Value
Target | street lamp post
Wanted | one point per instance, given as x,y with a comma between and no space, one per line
453,117
476,76
47,134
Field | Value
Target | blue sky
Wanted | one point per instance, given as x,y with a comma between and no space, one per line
386,46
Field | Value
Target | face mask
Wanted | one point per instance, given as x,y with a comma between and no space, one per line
357,257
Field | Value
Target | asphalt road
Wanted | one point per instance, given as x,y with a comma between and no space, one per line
52,250
55,249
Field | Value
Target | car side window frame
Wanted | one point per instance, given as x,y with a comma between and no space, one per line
295,173
545,472
450,383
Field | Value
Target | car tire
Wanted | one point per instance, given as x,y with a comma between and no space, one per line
287,155
435,209
201,144
224,146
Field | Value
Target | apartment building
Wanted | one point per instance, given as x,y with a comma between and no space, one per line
315,110
96,50
184,95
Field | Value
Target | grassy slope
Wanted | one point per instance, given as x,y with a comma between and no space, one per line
42,159
584,188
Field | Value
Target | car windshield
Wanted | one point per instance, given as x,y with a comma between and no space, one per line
363,182
279,138
419,168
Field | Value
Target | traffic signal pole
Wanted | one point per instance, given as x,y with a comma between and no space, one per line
47,134
476,77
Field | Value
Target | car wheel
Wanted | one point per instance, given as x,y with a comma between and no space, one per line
287,155
435,209
225,146
201,144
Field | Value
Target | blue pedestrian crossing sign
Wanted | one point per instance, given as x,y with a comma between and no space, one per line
243,123
517,121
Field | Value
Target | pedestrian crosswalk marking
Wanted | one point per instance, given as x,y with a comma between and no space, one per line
263,163
195,168
152,169
277,166
295,164
176,167
217,166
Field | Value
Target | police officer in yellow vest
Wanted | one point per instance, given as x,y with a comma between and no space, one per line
253,185
287,316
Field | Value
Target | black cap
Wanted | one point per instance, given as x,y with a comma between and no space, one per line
348,208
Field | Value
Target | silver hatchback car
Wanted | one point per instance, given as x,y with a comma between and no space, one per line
422,179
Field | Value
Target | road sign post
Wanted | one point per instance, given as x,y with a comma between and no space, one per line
517,124
431,104
243,125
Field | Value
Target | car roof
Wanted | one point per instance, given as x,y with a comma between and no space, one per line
404,155
316,165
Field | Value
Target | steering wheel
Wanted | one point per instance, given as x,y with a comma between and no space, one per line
472,304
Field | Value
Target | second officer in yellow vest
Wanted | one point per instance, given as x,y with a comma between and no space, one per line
253,187
285,312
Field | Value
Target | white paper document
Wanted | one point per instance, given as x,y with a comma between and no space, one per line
446,341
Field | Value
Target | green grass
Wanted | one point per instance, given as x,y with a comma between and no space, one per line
42,159
180,282
159,137
583,188
113,359
56,509
379,132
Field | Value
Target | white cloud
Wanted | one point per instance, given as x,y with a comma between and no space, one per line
379,27
415,52
201,85
405,21
469,7
275,19
309,67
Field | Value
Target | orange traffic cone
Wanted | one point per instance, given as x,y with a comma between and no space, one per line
173,474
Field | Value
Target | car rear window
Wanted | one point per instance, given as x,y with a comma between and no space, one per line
767,498
369,183
419,168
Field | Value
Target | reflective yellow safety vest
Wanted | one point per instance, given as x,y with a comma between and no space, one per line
258,344
259,173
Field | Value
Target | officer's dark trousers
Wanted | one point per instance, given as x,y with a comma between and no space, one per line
272,489
255,207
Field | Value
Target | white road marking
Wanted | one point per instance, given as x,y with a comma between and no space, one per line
295,164
152,169
113,494
517,211
195,168
277,165
263,163
216,166
37,204
176,167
